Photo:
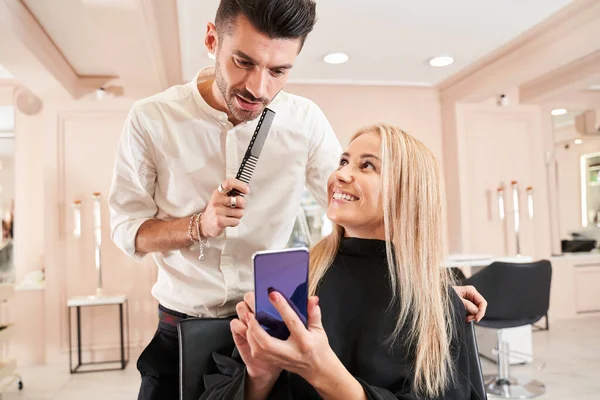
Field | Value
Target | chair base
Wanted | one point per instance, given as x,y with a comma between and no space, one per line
512,389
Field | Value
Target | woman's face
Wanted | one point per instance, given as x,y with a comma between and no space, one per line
354,189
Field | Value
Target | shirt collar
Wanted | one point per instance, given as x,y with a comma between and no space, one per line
205,74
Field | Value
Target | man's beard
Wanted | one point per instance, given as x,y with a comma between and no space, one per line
231,102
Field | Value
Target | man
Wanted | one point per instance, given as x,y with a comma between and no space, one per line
176,159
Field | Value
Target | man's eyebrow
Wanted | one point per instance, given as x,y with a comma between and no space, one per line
241,54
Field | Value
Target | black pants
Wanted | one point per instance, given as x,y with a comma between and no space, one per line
159,365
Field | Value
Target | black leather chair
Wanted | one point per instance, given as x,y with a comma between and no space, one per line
517,295
198,339
476,374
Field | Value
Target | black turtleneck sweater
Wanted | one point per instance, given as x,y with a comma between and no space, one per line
354,297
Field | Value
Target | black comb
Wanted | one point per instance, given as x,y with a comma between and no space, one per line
254,148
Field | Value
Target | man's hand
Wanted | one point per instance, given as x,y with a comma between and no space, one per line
473,302
219,214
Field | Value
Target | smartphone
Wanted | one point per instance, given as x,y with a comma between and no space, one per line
284,271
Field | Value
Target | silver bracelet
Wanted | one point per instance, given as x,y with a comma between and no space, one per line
190,227
202,241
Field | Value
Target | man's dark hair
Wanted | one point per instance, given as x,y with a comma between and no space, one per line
277,19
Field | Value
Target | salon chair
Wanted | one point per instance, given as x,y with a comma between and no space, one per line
199,338
475,373
518,294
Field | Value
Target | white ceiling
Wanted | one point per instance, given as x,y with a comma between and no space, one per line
75,31
388,41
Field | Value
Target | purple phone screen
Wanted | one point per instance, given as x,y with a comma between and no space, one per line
287,273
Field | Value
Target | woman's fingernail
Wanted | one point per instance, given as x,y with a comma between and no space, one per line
274,296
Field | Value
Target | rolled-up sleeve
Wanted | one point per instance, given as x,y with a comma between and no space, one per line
131,199
323,156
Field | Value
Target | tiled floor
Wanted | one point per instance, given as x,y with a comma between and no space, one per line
54,382
567,360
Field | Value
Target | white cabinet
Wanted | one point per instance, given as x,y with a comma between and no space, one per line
587,282
575,282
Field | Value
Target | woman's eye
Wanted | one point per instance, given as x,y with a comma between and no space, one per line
368,165
343,162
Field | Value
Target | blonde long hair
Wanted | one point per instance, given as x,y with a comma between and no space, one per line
413,215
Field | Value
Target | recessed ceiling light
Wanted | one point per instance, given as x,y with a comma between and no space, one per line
578,141
558,111
441,61
336,58
211,56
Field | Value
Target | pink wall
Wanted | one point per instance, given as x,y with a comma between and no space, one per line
348,108
28,344
29,194
80,141
6,95
486,146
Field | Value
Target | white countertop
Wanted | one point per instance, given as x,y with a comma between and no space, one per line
594,255
83,301
481,260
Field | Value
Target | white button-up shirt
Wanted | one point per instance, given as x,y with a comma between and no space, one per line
174,152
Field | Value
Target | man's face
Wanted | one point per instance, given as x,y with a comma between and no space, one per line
250,67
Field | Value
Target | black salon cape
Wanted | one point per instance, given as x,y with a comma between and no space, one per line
354,296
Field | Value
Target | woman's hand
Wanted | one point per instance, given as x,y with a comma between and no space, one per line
473,302
306,352
258,370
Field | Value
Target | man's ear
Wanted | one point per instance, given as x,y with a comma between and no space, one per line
211,40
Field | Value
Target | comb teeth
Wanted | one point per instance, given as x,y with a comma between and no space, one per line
255,146
247,169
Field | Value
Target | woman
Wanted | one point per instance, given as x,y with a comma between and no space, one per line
385,324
